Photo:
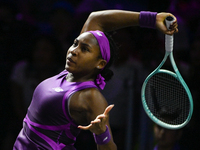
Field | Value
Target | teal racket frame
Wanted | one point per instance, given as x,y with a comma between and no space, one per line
176,74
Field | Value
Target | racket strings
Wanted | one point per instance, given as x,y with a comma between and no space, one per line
167,99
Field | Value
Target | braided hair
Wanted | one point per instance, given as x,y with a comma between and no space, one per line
107,73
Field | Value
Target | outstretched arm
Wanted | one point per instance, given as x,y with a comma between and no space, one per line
90,110
109,20
98,128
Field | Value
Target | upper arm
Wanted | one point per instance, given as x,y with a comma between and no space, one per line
86,105
96,103
110,20
92,23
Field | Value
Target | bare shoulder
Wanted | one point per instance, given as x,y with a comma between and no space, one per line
93,96
86,104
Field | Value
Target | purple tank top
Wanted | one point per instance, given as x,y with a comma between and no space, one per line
48,124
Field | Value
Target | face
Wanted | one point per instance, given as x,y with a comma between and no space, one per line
165,137
83,56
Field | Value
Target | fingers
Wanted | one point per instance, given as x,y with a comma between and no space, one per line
160,24
171,32
108,109
98,119
85,127
173,27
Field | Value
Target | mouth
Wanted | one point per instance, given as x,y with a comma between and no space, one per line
70,60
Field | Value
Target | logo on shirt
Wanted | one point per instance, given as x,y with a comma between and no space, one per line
58,89
105,139
99,33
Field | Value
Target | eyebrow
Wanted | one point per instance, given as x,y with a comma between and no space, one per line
85,44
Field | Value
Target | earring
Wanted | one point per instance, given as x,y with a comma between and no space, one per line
98,67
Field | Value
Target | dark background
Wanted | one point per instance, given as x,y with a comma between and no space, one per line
20,20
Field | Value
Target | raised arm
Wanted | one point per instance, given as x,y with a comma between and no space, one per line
109,20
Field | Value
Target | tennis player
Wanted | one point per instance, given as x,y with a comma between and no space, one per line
71,101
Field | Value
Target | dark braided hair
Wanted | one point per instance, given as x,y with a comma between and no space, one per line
106,72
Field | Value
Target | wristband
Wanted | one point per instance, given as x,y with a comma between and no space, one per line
147,19
103,138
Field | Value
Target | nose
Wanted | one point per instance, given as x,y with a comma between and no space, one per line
74,51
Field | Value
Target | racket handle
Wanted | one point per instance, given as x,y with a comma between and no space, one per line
168,21
169,38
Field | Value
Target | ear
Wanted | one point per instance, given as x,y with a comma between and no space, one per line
101,64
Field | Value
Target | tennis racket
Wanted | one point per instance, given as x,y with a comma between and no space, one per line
166,97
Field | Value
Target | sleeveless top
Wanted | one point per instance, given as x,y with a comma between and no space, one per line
48,124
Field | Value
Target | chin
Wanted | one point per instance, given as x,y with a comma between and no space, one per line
68,69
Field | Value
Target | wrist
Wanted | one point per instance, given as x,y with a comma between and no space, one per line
100,131
147,19
102,138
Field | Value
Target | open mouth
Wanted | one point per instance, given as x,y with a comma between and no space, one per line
70,60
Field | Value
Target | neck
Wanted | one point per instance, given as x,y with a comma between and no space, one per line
78,78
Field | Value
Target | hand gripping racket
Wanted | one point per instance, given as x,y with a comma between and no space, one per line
166,97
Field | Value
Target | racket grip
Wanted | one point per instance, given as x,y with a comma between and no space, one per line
169,43
169,38
168,21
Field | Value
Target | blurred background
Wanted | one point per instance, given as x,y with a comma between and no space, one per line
35,36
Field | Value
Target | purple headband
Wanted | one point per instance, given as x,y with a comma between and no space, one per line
103,44
105,53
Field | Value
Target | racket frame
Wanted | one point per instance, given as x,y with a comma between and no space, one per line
176,75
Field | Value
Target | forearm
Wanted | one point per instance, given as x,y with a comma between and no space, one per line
110,20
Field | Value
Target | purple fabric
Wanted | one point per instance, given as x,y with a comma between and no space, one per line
105,52
48,123
100,81
24,143
46,127
103,44
147,19
54,145
103,138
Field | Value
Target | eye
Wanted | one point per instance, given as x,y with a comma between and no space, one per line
75,43
84,49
